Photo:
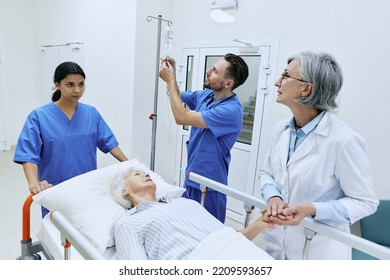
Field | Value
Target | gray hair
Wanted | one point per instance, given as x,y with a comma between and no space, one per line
118,186
325,74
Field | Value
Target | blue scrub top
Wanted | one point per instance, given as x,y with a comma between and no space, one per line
63,148
209,149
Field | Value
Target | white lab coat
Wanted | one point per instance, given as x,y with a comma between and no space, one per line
331,164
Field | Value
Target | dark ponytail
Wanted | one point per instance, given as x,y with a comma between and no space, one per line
63,70
56,95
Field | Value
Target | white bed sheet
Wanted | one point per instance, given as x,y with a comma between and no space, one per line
224,244
228,244
51,237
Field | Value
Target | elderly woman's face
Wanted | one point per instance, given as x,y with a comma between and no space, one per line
138,181
289,85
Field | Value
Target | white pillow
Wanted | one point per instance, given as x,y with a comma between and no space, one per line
87,203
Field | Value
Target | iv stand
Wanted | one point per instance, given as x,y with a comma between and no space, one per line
153,116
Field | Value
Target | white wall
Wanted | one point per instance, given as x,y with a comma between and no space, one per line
356,33
144,88
107,30
120,60
20,92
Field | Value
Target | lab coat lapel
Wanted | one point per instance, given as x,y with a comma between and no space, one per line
312,140
305,148
285,140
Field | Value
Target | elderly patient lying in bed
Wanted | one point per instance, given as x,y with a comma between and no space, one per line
173,228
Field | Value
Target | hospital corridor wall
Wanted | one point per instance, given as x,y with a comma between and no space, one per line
356,35
122,90
4,143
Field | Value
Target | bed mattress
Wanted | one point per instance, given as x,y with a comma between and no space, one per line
228,244
51,237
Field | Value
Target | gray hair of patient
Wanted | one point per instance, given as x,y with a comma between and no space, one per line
118,186
325,75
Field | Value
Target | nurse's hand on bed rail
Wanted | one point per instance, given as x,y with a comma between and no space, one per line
39,186
296,214
31,172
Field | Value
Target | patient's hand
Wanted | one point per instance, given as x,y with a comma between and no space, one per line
264,221
260,224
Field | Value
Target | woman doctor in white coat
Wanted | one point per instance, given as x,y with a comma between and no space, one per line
316,165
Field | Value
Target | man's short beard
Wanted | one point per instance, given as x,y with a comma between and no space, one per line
214,88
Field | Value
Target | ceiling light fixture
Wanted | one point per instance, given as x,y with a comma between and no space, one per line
217,11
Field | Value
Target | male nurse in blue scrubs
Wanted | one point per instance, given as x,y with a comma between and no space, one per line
215,118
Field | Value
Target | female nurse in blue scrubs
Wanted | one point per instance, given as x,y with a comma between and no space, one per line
59,140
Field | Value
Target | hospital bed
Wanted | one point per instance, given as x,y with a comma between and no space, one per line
83,217
312,228
81,223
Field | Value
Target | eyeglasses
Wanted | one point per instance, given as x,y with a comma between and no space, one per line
285,76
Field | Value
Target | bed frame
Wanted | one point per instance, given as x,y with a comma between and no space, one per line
29,249
311,227
71,236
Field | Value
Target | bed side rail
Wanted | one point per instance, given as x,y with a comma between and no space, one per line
75,237
29,249
311,226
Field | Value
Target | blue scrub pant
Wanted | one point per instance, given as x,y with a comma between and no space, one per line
214,202
45,211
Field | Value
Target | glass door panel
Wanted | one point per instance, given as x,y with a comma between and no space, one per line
247,93
188,86
252,95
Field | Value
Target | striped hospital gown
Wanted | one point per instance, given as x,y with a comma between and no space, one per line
163,231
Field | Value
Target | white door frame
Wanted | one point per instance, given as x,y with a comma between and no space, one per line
268,49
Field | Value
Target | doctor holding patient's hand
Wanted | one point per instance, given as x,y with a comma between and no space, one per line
275,207
293,216
316,165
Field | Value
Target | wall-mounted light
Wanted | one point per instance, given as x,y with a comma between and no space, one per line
248,48
217,11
